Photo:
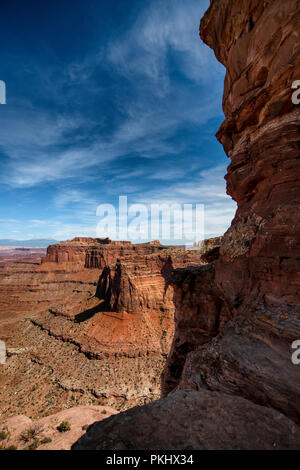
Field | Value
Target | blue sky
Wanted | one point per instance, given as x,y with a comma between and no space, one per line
107,99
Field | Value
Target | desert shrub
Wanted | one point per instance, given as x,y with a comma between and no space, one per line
46,440
103,412
85,427
30,434
33,445
64,426
4,434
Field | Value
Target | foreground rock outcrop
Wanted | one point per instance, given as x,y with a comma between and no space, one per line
237,317
189,420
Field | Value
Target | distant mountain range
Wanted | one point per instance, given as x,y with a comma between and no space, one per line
37,243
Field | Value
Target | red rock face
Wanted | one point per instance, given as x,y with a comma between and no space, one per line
258,273
143,281
236,318
261,136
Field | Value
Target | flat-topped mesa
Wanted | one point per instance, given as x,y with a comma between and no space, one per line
133,277
97,241
89,241
98,253
75,250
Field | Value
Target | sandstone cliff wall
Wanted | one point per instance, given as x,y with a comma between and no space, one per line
258,272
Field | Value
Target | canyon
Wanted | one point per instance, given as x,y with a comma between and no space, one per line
229,382
90,325
89,322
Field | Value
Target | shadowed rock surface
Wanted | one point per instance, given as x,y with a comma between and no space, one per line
189,420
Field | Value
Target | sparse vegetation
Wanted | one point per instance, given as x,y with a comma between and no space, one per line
8,448
46,440
4,434
64,427
33,445
31,434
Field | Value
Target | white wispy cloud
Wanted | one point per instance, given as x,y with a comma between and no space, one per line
78,208
73,197
39,222
164,26
8,221
208,187
44,147
67,148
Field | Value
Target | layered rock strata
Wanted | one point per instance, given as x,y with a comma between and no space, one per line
91,325
258,272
